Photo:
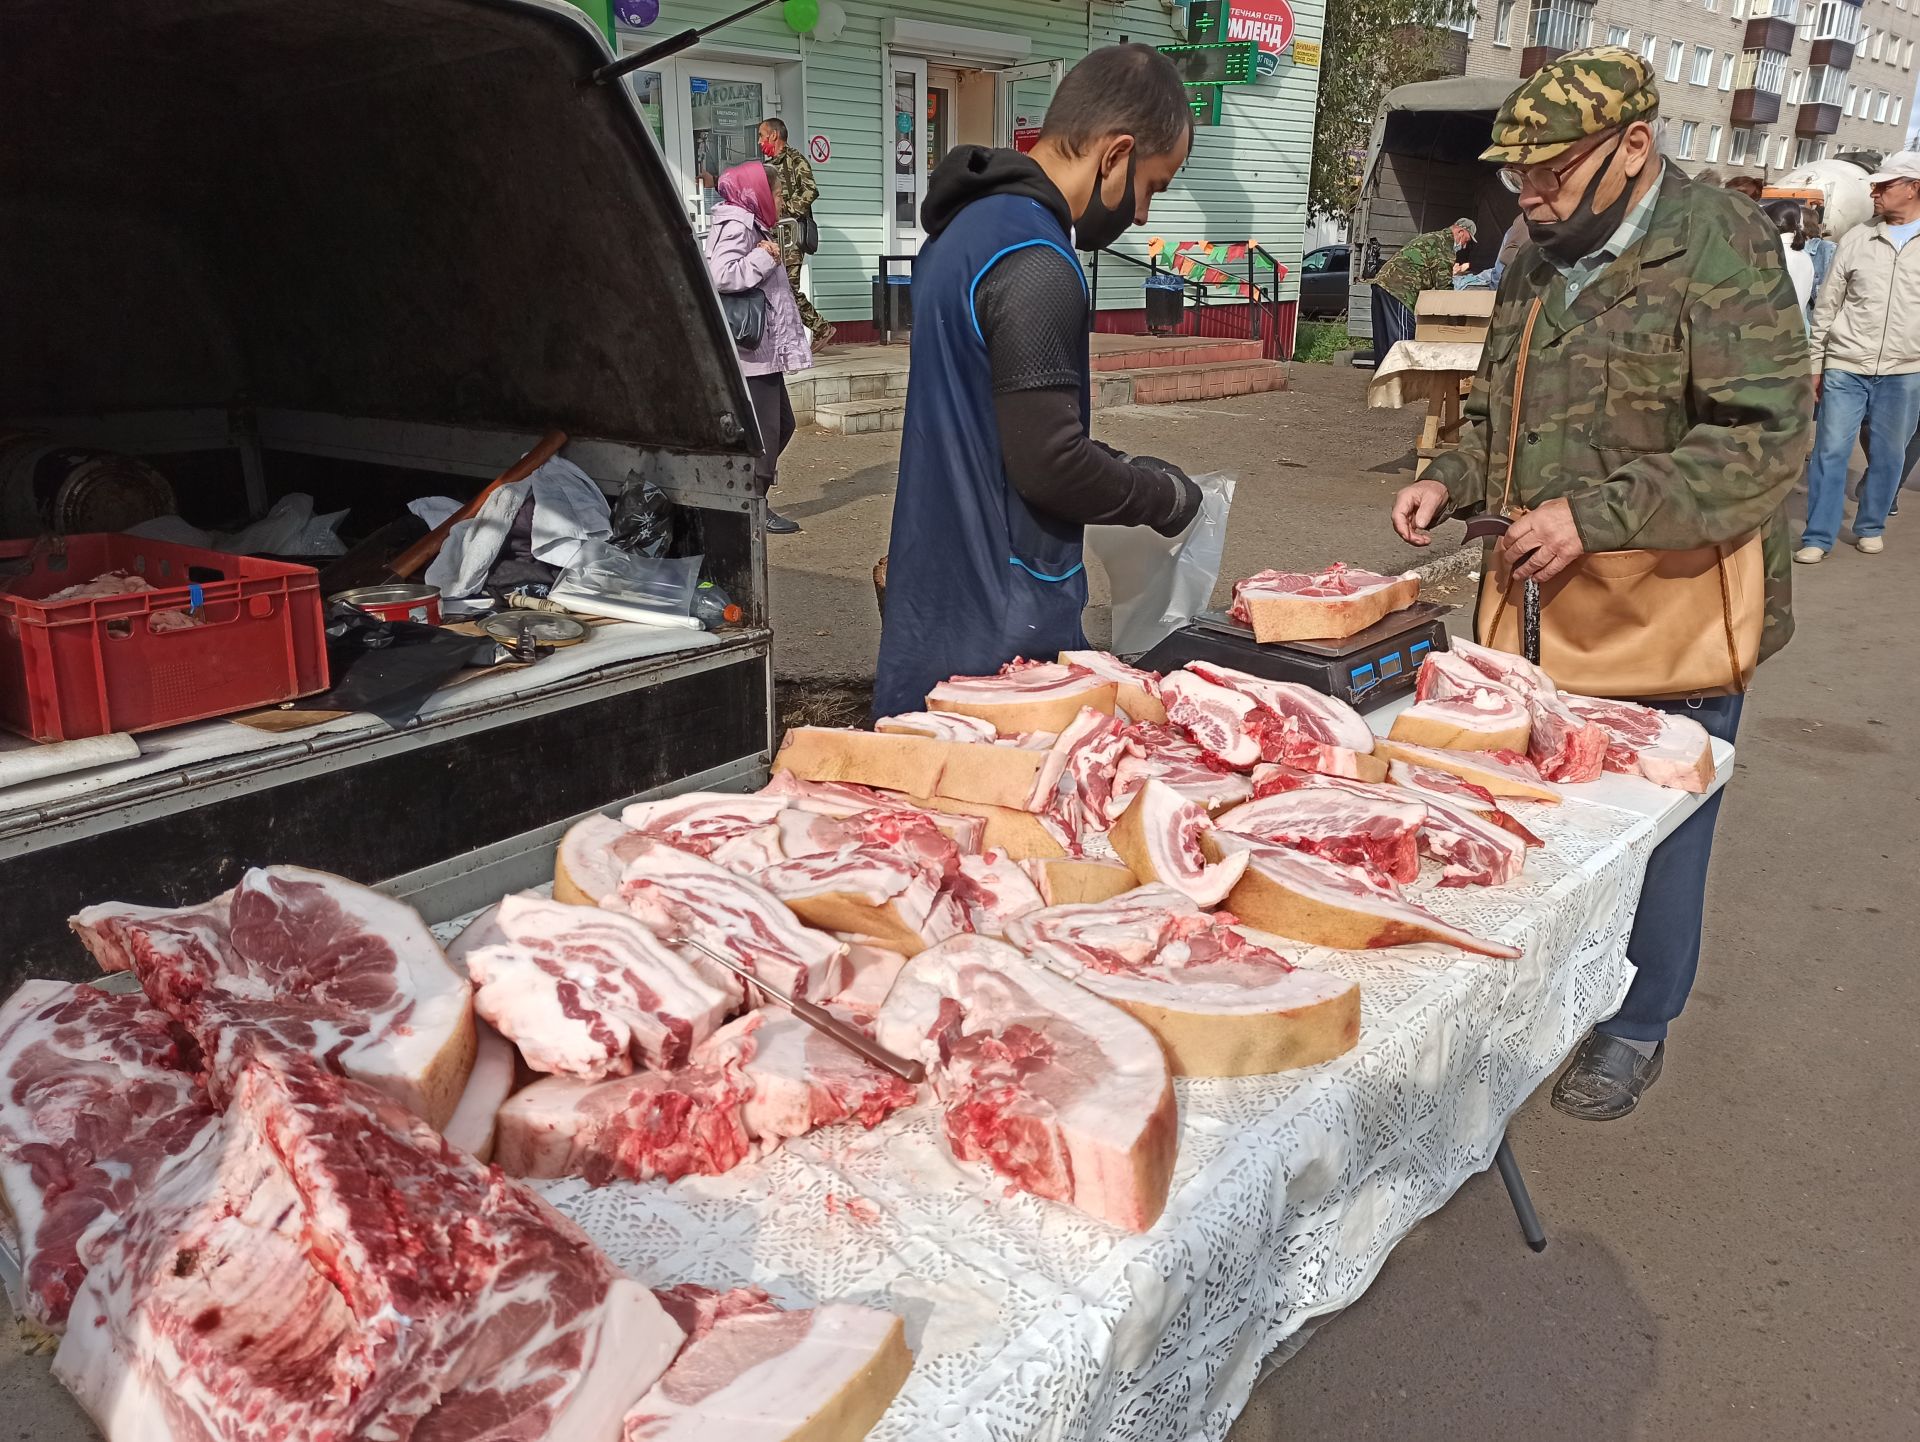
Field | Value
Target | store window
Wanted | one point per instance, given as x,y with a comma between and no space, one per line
649,92
726,126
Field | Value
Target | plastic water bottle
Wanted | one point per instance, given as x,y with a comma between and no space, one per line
713,608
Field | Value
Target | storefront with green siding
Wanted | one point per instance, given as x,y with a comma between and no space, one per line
882,88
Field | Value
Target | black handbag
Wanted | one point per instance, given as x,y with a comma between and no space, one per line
809,236
746,313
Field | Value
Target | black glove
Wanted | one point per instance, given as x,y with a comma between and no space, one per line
1184,501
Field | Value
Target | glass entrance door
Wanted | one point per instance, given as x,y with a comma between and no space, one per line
1025,93
725,105
907,145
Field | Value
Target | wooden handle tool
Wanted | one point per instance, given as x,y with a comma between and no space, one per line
420,554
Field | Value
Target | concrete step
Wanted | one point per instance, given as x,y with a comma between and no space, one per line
1135,353
1172,384
864,417
835,385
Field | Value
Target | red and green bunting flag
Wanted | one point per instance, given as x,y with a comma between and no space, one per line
1201,261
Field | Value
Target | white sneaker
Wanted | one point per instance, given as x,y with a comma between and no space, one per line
1809,555
1870,545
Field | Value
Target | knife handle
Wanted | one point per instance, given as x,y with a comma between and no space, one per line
820,1019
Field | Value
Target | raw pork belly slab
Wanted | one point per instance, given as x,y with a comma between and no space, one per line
1240,719
676,894
99,1104
1221,1003
799,1080
1563,744
1085,783
591,857
1308,898
1166,753
1138,693
755,1373
591,993
1159,839
1504,668
1025,696
842,799
1673,751
884,892
1351,822
1429,784
1062,1093
300,963
326,1267
1489,719
941,725
1500,773
1327,605
995,889
1475,842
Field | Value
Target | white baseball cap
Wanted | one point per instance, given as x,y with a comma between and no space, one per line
1902,166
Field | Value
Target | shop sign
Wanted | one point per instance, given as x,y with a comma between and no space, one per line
1268,23
1307,53
1025,138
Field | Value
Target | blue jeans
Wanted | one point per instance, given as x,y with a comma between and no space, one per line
1665,945
1890,406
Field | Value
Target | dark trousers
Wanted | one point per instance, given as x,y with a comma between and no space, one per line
1665,946
774,411
1393,322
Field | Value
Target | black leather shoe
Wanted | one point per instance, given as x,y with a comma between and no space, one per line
1604,1080
779,525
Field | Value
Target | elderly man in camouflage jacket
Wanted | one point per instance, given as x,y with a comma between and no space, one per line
1427,262
1668,405
794,192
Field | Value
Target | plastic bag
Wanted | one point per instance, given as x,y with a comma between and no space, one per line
657,583
289,529
1160,583
643,518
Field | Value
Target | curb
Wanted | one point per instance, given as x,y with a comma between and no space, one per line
1449,567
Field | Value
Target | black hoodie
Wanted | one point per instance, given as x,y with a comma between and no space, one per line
1032,310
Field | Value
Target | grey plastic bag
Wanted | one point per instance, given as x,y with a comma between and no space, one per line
1160,583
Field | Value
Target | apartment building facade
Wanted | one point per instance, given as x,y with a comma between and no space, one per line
1747,86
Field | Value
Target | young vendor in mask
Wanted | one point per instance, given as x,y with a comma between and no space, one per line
998,476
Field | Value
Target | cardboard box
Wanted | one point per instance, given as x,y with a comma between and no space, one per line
1453,315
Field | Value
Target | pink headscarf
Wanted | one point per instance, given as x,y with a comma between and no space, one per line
747,187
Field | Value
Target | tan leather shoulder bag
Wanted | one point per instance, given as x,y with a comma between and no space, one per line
1645,624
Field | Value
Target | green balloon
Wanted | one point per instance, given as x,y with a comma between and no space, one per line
801,15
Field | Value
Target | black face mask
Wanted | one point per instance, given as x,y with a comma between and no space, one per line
1587,229
1100,224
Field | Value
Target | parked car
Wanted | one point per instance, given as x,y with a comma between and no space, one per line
1324,283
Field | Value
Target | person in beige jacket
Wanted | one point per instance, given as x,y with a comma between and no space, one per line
1866,363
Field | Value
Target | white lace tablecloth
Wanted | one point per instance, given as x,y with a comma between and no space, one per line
1031,1321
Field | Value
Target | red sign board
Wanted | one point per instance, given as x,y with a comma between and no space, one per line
1025,138
820,149
1268,23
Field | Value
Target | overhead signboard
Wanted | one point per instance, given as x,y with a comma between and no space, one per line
1224,64
1268,24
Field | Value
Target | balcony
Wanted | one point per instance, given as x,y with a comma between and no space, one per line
1553,28
1535,56
1753,107
1835,54
1769,34
1817,120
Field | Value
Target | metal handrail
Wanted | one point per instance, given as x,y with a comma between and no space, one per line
1262,300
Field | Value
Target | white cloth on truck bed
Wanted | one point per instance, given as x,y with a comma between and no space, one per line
568,508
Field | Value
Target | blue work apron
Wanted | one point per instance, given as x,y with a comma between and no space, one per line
974,577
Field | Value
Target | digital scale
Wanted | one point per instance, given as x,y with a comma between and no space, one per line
1366,669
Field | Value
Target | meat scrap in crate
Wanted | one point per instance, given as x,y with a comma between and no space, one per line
1083,882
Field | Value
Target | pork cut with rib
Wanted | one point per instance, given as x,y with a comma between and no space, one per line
1159,839
1025,696
1504,668
995,889
941,725
1668,750
326,1267
754,1372
1501,773
1490,718
1461,833
1065,1095
1137,693
1329,604
1084,785
1307,898
1221,1002
1240,720
800,1080
676,894
99,1102
1316,716
841,798
1563,744
300,963
1429,784
1351,822
1166,753
592,993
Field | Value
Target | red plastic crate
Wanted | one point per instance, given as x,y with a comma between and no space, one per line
91,666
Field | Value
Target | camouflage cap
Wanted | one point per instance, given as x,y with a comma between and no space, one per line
1583,93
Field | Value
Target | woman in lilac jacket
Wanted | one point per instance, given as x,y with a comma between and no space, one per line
742,256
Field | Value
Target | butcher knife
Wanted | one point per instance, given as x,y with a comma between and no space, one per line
1481,527
819,1018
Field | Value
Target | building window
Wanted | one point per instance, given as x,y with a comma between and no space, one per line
1807,17
1702,66
1837,20
1737,147
1906,56
1879,44
1894,117
1826,85
1853,94
1726,70
1780,154
1713,5
1880,108
1688,129
1764,70
1621,36
1806,152
1676,57
1503,23
1796,87
1561,24
1648,44
1787,10
1738,9
1713,144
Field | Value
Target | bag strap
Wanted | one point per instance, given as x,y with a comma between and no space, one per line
1739,681
1513,446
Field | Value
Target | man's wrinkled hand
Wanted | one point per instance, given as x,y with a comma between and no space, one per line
1416,508
1551,537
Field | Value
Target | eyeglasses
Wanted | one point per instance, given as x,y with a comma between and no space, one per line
1545,180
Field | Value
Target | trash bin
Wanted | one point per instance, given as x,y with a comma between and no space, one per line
1166,303
893,297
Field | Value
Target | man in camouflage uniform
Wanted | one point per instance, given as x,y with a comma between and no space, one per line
794,193
1427,262
1668,405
